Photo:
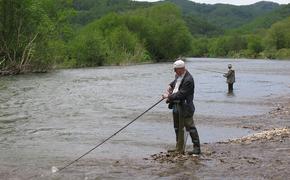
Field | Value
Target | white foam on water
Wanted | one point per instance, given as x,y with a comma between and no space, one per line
54,169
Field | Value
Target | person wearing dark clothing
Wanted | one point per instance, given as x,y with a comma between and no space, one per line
231,79
180,93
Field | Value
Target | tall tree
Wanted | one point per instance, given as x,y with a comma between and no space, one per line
18,24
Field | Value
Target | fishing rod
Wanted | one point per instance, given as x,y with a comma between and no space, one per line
55,169
210,70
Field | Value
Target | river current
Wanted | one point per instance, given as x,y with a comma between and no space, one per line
51,119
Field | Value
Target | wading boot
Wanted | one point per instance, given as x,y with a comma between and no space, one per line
195,140
196,151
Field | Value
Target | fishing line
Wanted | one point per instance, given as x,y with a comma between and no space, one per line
210,70
55,169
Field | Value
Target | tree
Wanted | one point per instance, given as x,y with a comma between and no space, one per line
200,47
278,35
27,28
18,26
255,44
167,35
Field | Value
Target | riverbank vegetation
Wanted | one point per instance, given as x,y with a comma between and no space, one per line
31,33
273,43
37,36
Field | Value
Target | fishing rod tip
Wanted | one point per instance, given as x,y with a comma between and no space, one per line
54,169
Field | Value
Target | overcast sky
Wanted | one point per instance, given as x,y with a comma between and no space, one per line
235,2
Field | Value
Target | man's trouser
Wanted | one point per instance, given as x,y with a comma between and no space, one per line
230,87
189,125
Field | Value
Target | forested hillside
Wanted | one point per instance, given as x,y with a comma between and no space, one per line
89,10
261,38
265,21
41,35
225,16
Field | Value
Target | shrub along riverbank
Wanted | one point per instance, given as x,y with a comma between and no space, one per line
37,36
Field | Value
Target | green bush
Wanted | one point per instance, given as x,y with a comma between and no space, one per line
137,36
89,50
199,47
283,54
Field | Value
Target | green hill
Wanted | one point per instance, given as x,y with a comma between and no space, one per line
89,10
225,16
267,20
202,19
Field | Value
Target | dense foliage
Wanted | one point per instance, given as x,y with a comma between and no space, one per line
153,33
250,31
40,35
30,31
270,43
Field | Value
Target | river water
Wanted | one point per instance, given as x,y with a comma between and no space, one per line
51,119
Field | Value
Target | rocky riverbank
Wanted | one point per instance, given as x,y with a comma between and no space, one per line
262,155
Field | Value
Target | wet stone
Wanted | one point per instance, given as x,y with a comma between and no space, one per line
272,134
172,157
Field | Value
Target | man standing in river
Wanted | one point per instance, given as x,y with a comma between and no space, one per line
230,75
179,95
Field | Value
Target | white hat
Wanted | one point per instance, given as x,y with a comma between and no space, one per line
178,64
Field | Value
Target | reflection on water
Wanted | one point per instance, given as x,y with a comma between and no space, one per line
49,119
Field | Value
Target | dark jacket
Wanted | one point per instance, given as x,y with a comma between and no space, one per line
184,94
231,77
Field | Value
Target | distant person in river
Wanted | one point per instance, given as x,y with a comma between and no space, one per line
181,92
231,78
